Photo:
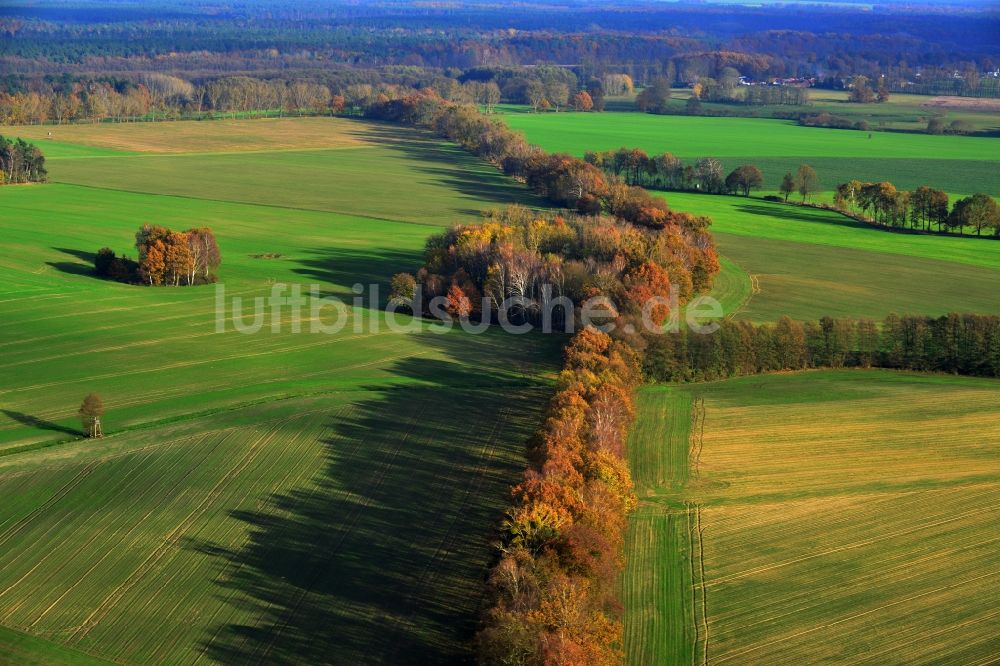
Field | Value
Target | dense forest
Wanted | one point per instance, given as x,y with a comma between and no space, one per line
937,50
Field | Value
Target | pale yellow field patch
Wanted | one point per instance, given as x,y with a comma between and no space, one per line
208,136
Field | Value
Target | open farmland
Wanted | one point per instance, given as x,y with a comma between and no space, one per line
902,112
259,498
956,164
807,263
374,168
766,536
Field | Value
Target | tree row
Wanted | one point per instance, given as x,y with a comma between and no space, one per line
965,344
881,203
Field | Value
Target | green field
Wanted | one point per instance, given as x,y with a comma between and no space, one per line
276,497
765,535
956,164
902,112
378,167
808,262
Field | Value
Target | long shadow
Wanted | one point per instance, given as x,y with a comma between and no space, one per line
381,558
787,212
79,254
36,422
421,146
73,267
344,267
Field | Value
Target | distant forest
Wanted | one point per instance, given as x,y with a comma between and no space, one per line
50,46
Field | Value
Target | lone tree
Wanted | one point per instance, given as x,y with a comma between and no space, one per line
744,178
91,412
807,181
787,185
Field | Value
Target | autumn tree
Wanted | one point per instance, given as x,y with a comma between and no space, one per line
458,303
534,92
403,290
708,171
787,185
861,91
979,211
582,101
170,257
152,264
806,181
91,411
617,84
654,98
204,252
557,94
744,178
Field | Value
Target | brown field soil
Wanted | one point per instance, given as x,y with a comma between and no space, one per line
965,103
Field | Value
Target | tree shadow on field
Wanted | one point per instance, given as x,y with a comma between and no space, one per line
792,212
444,161
73,267
345,267
382,556
40,423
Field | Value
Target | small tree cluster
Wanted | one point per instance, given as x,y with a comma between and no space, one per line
531,256
883,204
635,167
744,178
804,181
21,162
862,91
166,257
654,98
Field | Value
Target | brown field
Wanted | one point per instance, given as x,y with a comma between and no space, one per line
202,137
825,517
964,103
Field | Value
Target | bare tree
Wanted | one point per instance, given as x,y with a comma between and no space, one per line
91,412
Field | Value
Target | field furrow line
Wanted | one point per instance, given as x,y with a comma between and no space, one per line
59,494
316,573
851,546
119,592
190,364
136,525
755,648
433,565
